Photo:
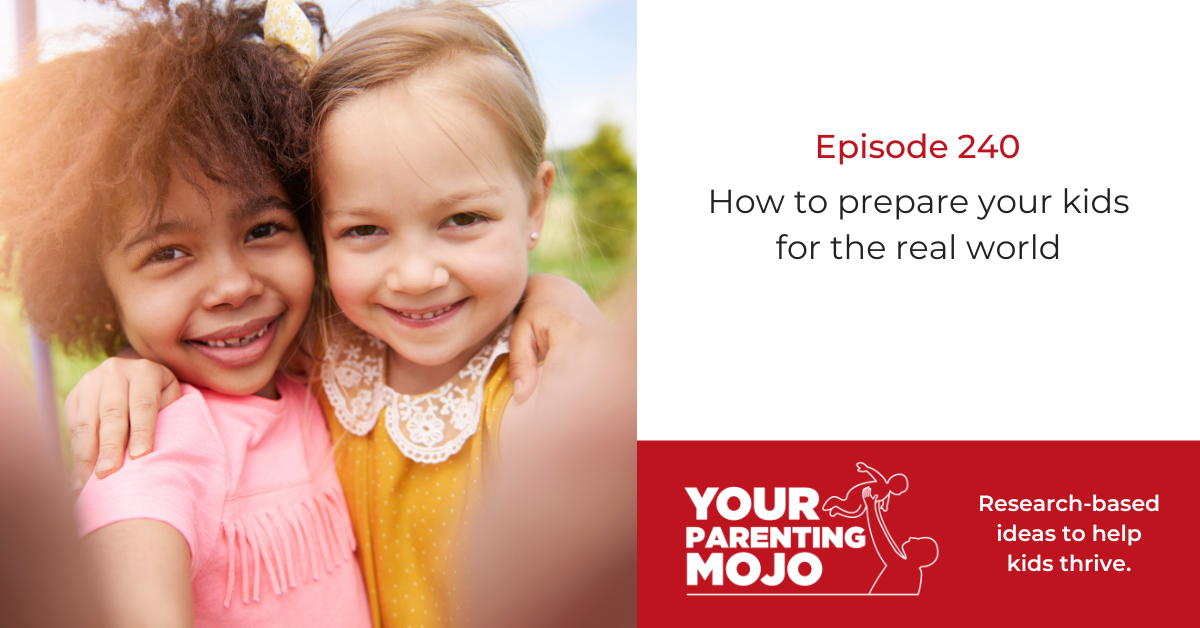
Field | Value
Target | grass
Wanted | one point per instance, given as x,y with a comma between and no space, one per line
562,251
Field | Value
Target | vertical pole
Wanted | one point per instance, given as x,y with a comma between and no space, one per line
26,33
43,373
47,403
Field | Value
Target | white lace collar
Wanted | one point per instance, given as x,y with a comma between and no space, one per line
429,427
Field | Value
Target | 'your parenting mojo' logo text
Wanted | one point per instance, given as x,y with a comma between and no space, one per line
807,539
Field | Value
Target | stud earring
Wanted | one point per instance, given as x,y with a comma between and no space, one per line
533,236
108,326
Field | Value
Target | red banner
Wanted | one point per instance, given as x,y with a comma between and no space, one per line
917,533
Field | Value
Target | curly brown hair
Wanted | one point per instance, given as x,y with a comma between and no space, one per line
190,89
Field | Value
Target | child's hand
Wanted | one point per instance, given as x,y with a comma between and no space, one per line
114,404
555,311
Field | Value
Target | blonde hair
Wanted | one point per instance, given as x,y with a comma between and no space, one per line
390,48
454,36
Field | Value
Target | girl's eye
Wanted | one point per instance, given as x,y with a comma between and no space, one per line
363,231
463,220
262,231
165,255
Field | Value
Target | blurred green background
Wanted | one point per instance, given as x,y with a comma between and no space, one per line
590,236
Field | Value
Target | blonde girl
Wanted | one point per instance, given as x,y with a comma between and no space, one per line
432,185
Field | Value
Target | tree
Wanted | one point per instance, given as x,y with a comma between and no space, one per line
603,181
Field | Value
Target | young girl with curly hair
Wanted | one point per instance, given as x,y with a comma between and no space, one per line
154,194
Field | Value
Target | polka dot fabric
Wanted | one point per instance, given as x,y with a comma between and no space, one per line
285,24
408,517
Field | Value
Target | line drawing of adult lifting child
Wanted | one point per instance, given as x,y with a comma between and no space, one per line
902,566
885,488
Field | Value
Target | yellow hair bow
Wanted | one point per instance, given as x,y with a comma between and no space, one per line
286,24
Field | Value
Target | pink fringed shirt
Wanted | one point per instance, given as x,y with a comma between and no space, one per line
250,484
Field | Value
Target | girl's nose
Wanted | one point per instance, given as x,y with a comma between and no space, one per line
232,283
414,273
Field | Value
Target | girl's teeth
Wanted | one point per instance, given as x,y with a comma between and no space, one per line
237,342
425,315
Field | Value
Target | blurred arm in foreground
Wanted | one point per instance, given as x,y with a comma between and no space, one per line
43,580
556,541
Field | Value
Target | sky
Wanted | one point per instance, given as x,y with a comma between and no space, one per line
583,52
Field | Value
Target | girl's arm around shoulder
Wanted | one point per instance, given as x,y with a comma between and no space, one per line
142,568
115,403
555,321
150,527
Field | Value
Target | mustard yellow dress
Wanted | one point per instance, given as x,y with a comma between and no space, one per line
412,468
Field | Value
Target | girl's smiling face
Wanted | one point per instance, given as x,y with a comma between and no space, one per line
427,222
216,289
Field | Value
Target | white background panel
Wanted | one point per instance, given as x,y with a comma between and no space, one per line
1099,344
